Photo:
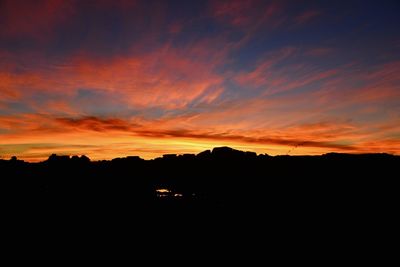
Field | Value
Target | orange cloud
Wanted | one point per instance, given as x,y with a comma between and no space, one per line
182,84
168,78
103,134
27,135
172,80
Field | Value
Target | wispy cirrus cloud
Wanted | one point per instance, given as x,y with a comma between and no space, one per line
167,78
276,74
151,77
251,13
307,16
319,51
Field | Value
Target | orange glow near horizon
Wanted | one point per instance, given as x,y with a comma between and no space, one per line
112,144
116,78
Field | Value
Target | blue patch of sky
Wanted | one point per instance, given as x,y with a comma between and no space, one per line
15,108
97,102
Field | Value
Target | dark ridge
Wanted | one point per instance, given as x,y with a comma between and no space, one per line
212,184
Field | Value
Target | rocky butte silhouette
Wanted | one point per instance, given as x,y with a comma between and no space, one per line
223,179
223,193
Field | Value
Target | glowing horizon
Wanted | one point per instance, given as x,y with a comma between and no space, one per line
116,78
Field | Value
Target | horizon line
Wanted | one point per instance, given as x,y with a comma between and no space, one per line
70,156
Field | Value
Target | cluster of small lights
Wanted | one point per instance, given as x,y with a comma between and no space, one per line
163,192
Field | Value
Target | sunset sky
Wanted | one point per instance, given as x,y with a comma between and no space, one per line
115,78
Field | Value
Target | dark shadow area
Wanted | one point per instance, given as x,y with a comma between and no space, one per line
230,193
218,197
221,180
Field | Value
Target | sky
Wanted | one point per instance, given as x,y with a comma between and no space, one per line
115,78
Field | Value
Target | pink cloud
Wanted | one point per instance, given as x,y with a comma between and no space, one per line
277,80
235,12
168,78
260,75
249,15
175,28
378,86
319,52
307,16
35,19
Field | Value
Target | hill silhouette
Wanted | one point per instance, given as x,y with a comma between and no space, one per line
223,179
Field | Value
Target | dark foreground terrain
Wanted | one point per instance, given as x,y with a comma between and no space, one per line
217,181
287,207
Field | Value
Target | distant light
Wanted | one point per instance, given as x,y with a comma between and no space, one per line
163,190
